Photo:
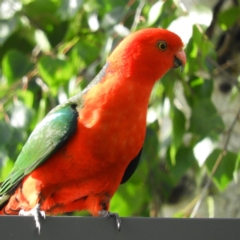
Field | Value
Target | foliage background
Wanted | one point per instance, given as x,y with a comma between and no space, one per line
51,49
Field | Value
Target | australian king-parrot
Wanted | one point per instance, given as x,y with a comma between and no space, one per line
80,153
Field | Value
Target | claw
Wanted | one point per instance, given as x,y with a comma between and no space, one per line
35,212
104,213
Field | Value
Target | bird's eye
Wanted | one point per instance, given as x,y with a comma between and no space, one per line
162,45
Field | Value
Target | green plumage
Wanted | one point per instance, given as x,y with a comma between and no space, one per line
50,134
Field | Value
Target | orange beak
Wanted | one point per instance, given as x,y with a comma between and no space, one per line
179,59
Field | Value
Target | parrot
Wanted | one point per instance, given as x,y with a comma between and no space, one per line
79,154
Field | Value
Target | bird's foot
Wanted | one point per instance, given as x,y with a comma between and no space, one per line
35,212
104,213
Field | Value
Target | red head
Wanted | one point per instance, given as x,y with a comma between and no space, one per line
149,53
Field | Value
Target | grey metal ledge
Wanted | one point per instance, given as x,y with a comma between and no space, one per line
71,228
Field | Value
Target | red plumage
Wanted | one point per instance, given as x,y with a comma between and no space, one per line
86,171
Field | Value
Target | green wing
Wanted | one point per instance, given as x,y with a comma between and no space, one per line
51,133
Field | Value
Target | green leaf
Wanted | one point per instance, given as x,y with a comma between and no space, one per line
15,144
27,97
168,13
179,122
151,144
56,32
20,39
168,83
178,125
202,42
227,18
129,199
9,25
202,88
84,53
198,50
224,173
46,16
6,168
41,110
205,120
15,65
6,133
192,64
184,160
55,70
41,12
197,35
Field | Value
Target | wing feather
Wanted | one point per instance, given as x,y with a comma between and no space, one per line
132,166
50,134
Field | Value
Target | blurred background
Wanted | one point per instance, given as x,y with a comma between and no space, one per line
51,49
